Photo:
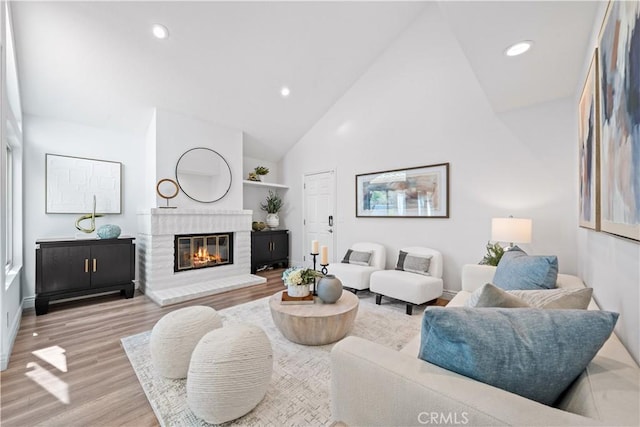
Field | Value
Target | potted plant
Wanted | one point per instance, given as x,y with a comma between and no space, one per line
297,280
272,206
494,254
258,172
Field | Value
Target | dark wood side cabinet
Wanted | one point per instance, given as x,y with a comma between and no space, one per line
71,268
269,248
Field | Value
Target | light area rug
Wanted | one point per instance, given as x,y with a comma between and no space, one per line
298,394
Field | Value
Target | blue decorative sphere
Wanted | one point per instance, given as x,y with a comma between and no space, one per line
109,231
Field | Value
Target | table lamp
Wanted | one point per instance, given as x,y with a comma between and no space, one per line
512,230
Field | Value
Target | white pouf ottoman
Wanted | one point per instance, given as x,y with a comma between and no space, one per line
175,336
229,373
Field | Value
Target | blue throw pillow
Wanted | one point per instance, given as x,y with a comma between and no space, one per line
517,270
531,352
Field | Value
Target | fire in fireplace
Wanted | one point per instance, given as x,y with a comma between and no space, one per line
202,250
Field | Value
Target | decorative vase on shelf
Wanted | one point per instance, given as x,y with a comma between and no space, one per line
329,289
273,220
298,290
109,231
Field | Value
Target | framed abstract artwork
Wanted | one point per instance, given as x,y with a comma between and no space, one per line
419,192
588,150
74,184
619,86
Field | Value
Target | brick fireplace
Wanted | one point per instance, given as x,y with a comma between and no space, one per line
159,230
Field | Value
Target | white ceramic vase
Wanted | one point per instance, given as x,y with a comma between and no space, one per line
273,220
298,290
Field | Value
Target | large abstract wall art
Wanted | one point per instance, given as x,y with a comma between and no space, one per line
619,78
589,144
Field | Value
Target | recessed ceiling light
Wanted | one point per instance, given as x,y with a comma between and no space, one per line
160,31
518,48
285,91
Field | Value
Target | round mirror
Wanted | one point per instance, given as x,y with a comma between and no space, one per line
203,175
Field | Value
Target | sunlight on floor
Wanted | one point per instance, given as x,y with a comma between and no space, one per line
55,356
49,382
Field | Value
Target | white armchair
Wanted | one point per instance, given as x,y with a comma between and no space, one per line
356,277
410,287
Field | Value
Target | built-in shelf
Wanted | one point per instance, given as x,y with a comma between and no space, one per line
265,184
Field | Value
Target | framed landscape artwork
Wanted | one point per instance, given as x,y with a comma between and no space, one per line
619,86
589,144
419,192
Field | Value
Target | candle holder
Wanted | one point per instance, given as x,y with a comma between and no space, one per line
324,269
315,279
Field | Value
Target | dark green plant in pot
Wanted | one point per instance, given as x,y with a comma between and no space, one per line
272,204
494,254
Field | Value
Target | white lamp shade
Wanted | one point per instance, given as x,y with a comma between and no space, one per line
512,230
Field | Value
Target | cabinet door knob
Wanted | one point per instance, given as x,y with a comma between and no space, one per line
95,265
86,265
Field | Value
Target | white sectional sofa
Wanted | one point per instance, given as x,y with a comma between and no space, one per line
374,385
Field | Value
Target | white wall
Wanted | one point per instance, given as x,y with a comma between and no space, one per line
43,136
254,195
175,134
420,104
610,264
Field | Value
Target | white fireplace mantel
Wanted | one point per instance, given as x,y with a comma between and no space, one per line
157,228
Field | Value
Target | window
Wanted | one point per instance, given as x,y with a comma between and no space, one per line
10,159
8,206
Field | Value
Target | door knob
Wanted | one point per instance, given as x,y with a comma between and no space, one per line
330,230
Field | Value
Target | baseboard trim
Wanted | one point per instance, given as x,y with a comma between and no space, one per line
28,302
4,358
449,295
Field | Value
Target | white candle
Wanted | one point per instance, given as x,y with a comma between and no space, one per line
324,255
314,247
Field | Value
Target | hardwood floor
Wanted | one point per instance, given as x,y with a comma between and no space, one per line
68,366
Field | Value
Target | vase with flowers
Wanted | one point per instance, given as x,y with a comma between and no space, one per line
297,280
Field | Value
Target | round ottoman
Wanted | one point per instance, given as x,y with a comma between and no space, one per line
175,336
229,373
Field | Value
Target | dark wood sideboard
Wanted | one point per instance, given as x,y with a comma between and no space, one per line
76,267
269,248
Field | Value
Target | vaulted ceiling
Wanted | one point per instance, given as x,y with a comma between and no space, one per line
97,63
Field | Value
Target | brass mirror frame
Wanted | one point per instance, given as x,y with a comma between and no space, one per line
164,196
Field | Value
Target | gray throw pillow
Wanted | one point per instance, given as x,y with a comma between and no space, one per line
492,296
531,352
556,298
357,257
517,270
414,263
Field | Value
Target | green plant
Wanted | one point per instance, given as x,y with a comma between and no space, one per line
294,276
272,204
261,170
494,254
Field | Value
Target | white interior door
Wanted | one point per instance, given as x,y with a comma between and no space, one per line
319,214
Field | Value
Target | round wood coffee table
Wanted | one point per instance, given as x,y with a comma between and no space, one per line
315,324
